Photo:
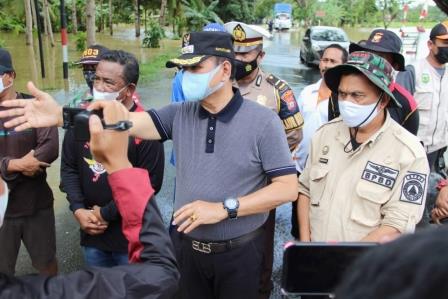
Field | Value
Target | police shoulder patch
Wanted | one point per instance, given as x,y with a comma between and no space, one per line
413,188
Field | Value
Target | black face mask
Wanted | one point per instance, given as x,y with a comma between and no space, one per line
244,69
89,76
442,55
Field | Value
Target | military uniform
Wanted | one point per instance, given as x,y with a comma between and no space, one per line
383,182
276,94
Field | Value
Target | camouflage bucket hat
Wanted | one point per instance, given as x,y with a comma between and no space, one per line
374,67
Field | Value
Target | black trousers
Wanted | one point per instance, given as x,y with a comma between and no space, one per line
232,274
266,284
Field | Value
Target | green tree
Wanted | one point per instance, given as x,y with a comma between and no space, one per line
197,13
237,10
390,10
334,12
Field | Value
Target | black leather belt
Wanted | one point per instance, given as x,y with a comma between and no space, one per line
211,247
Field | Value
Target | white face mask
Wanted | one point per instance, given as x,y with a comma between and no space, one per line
355,115
196,86
3,202
106,96
2,87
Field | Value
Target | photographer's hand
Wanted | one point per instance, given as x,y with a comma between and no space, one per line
110,147
40,112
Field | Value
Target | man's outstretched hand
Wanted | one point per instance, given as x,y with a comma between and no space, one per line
109,147
40,112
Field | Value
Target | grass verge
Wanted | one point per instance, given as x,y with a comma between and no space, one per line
149,71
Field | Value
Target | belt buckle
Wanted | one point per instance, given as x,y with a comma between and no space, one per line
201,247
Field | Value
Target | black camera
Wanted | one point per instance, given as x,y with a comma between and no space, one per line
78,119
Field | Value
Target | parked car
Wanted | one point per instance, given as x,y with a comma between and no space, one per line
317,38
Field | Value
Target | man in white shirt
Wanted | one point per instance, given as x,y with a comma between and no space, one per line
313,103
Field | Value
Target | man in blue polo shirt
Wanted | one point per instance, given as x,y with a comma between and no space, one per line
227,150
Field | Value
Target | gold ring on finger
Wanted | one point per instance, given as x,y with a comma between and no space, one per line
193,218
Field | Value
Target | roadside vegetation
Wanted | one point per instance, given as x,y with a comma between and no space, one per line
180,16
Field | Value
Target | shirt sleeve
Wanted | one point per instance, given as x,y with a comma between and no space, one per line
407,79
289,111
405,208
274,151
70,179
304,178
156,276
151,156
47,148
163,120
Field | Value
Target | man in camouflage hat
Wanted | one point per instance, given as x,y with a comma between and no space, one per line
366,176
271,92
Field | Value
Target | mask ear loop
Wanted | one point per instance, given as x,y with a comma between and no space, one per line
377,103
354,144
119,92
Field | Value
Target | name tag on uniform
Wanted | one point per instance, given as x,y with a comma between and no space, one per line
413,188
379,174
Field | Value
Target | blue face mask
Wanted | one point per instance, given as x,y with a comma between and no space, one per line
196,86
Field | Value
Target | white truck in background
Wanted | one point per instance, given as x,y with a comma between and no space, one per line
282,16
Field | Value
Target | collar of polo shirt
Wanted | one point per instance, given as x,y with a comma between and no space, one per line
227,113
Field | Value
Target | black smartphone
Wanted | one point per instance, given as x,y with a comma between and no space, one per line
316,268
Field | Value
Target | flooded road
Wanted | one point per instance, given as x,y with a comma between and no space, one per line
282,59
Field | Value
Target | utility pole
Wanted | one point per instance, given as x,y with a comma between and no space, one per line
64,40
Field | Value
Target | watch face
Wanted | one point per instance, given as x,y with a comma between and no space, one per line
231,203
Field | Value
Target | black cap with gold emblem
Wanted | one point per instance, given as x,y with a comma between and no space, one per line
383,41
198,46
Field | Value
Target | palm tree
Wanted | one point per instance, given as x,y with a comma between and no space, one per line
74,18
111,27
137,18
29,23
90,23
197,13
162,12
47,22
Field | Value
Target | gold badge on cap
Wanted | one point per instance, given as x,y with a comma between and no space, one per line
238,33
186,40
325,150
377,37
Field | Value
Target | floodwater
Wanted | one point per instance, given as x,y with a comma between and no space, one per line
282,59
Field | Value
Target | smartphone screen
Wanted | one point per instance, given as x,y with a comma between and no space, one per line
317,268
